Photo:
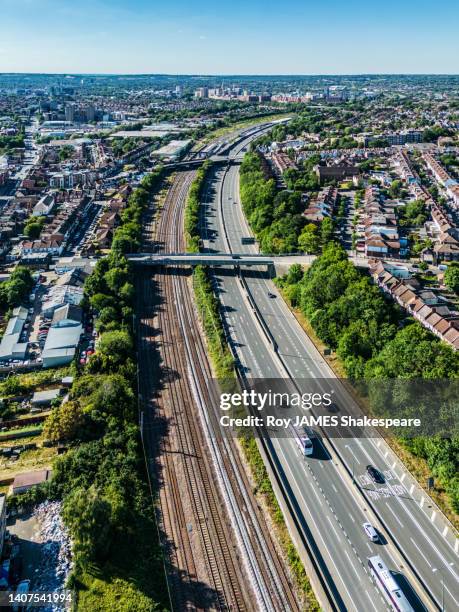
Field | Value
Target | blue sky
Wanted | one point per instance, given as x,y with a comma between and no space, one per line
233,37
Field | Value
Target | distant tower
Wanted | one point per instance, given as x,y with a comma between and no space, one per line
70,112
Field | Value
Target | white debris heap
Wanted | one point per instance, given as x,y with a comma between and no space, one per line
56,560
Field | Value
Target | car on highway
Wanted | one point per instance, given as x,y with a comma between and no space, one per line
271,295
371,532
375,475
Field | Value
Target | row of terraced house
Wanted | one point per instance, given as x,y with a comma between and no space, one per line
443,177
432,310
377,229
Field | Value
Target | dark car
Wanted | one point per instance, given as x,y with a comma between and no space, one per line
375,475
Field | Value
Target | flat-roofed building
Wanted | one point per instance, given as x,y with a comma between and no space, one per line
53,358
173,150
27,480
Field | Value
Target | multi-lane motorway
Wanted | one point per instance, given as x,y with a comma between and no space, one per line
420,547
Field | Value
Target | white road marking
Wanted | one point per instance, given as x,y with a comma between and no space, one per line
371,601
452,596
396,517
420,552
316,494
334,530
353,567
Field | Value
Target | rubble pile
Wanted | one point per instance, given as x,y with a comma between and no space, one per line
56,561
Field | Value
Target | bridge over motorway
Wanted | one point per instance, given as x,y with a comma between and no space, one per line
186,164
278,262
200,259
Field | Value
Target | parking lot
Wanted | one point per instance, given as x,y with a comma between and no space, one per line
37,325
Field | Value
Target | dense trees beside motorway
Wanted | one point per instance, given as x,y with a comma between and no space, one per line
275,217
350,315
101,479
14,291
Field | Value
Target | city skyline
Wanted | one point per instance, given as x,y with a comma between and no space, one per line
115,38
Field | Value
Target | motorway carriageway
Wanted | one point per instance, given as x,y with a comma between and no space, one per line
332,507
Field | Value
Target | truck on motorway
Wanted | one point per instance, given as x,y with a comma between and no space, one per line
388,586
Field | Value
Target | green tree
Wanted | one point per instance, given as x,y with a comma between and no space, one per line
88,516
64,423
452,277
326,230
114,351
308,240
33,230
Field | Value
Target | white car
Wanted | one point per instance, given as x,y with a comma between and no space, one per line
371,532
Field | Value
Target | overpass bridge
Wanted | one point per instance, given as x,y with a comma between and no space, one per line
200,259
277,264
195,162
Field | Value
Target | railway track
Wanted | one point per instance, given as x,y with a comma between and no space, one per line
220,554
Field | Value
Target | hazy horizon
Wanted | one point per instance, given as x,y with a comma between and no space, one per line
231,74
